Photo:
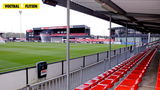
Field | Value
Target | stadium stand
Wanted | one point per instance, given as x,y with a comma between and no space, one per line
92,40
157,87
135,77
110,78
71,34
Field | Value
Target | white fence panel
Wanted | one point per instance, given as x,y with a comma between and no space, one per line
90,59
54,70
76,64
102,56
12,81
32,75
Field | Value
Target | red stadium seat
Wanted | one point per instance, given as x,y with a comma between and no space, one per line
120,74
122,87
130,83
108,79
108,83
157,87
91,83
158,83
99,78
82,87
123,70
99,87
138,72
104,75
114,69
141,68
109,72
135,77
115,78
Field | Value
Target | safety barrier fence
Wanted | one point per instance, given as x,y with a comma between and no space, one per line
81,70
112,76
84,68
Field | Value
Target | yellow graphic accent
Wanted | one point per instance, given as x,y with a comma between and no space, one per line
21,6
31,6
11,6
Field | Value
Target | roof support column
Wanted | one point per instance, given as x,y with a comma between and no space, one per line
149,37
68,46
126,39
110,45
134,39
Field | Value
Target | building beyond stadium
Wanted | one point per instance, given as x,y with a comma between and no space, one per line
57,33
119,35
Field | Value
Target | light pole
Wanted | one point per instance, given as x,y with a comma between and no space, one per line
20,13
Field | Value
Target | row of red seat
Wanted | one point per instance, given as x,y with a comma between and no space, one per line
110,77
135,77
157,87
114,78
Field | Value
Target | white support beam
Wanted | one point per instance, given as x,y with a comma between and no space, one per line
110,45
68,46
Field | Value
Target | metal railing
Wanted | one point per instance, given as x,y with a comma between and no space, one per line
87,70
82,69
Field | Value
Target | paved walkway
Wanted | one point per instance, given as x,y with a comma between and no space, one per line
149,80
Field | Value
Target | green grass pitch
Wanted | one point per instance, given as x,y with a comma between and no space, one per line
16,55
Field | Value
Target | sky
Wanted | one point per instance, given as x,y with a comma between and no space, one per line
47,16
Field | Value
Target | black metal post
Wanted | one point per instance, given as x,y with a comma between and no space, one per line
97,57
62,67
27,76
84,61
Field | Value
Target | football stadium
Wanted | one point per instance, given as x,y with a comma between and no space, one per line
69,57
18,55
